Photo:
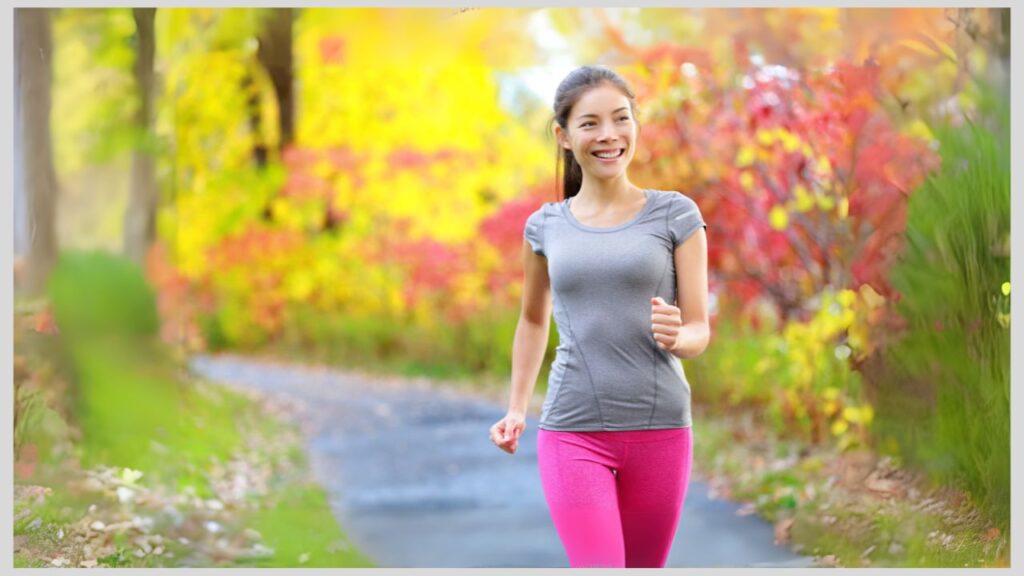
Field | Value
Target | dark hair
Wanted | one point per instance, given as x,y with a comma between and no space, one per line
572,87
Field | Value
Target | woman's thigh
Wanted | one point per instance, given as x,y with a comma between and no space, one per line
652,486
580,489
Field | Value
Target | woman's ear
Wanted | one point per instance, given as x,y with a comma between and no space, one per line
560,136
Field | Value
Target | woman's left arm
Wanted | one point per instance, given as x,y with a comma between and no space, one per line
691,260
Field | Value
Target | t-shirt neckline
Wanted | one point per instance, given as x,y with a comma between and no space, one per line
648,201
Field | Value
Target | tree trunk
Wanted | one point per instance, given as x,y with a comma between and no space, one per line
275,54
34,53
140,217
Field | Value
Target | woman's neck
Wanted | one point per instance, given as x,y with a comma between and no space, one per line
608,193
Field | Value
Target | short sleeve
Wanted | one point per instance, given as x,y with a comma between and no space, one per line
534,231
684,218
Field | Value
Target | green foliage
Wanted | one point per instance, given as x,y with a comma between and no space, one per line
798,372
95,97
128,401
954,278
99,294
299,528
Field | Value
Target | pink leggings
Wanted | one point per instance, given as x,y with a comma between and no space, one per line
615,497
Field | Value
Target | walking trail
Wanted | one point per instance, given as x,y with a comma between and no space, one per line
414,480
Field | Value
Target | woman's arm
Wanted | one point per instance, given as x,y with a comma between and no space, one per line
531,338
691,259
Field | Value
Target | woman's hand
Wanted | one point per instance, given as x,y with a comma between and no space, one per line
506,432
666,321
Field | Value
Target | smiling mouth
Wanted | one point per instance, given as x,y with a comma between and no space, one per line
609,156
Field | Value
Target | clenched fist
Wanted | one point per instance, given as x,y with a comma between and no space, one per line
666,321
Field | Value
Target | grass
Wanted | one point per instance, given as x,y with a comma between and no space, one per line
957,352
830,511
214,428
297,527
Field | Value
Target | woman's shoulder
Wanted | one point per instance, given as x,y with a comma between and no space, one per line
672,199
670,195
548,208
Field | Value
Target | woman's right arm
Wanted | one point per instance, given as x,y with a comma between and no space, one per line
531,338
528,347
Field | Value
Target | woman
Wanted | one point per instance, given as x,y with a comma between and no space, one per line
614,438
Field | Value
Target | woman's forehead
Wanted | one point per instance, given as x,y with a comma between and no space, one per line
600,100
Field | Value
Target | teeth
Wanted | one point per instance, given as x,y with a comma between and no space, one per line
608,154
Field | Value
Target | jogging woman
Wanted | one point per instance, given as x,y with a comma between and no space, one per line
625,271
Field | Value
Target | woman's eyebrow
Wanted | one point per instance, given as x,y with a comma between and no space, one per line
595,115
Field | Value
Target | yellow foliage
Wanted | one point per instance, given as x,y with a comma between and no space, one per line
804,200
790,141
428,88
745,156
778,218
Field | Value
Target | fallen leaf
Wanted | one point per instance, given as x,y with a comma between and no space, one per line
881,485
782,530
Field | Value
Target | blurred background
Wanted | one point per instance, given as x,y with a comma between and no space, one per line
349,187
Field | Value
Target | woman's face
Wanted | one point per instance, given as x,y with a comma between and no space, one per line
600,124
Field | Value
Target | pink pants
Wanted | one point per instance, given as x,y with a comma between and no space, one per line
615,497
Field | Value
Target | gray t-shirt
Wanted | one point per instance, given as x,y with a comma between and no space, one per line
608,372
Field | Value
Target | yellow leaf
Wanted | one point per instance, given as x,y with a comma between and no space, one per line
846,297
943,47
851,414
804,200
824,166
826,202
868,413
1006,288
790,141
745,156
920,129
765,137
918,46
871,298
839,427
844,207
300,285
778,218
747,181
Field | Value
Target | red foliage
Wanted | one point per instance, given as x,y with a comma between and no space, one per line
504,228
836,113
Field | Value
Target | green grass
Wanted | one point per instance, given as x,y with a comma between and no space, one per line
894,536
136,411
299,527
944,395
837,521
